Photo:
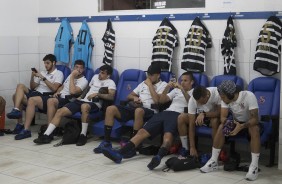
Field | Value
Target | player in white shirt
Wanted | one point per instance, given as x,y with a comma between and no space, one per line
84,105
203,110
45,81
139,107
161,123
244,108
73,85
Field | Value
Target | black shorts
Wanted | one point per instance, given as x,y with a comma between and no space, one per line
162,122
32,93
62,102
75,106
127,113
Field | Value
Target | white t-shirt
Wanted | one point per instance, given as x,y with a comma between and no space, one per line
178,100
55,77
81,83
240,108
142,90
214,100
95,84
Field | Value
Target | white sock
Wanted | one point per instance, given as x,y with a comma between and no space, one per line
21,123
184,142
50,129
16,108
255,159
215,154
84,128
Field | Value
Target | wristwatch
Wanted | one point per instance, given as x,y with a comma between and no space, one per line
44,79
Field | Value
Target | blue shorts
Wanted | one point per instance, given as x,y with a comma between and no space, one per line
75,106
162,122
32,93
127,113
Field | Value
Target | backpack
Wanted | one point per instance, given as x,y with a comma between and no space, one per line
181,163
71,133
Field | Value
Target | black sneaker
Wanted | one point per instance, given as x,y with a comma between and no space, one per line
81,140
43,139
156,160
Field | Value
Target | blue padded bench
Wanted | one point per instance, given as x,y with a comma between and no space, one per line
128,81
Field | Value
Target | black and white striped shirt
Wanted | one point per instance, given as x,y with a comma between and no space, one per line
229,42
196,42
164,42
109,44
268,48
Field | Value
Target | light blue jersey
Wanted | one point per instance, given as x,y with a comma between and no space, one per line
63,41
83,45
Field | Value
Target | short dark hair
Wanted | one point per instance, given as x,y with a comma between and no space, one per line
79,62
190,74
199,91
50,57
107,68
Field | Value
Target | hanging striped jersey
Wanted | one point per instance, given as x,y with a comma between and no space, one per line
229,42
63,41
164,42
268,48
109,43
83,45
197,41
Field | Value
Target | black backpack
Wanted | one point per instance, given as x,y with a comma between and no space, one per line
181,163
71,133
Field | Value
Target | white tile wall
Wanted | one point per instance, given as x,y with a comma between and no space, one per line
28,45
98,47
9,80
127,47
123,63
9,45
242,52
11,63
146,48
46,44
27,61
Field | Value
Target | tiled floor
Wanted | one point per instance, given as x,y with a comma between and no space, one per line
23,162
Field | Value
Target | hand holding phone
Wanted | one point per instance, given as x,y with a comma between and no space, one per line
34,70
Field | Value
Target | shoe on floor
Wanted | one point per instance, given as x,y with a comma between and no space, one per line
156,160
14,114
210,166
43,139
183,152
114,155
18,128
102,145
252,173
130,154
82,140
23,135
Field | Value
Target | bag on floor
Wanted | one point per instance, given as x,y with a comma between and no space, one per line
181,163
71,134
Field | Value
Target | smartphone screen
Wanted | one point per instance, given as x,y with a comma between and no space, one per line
34,70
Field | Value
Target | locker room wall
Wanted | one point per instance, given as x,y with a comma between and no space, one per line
133,39
24,42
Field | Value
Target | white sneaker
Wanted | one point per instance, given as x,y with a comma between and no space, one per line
252,173
210,166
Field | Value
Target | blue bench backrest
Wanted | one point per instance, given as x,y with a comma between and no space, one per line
267,92
65,69
201,79
128,81
165,76
218,79
88,73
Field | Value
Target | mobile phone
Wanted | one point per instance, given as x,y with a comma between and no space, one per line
34,70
